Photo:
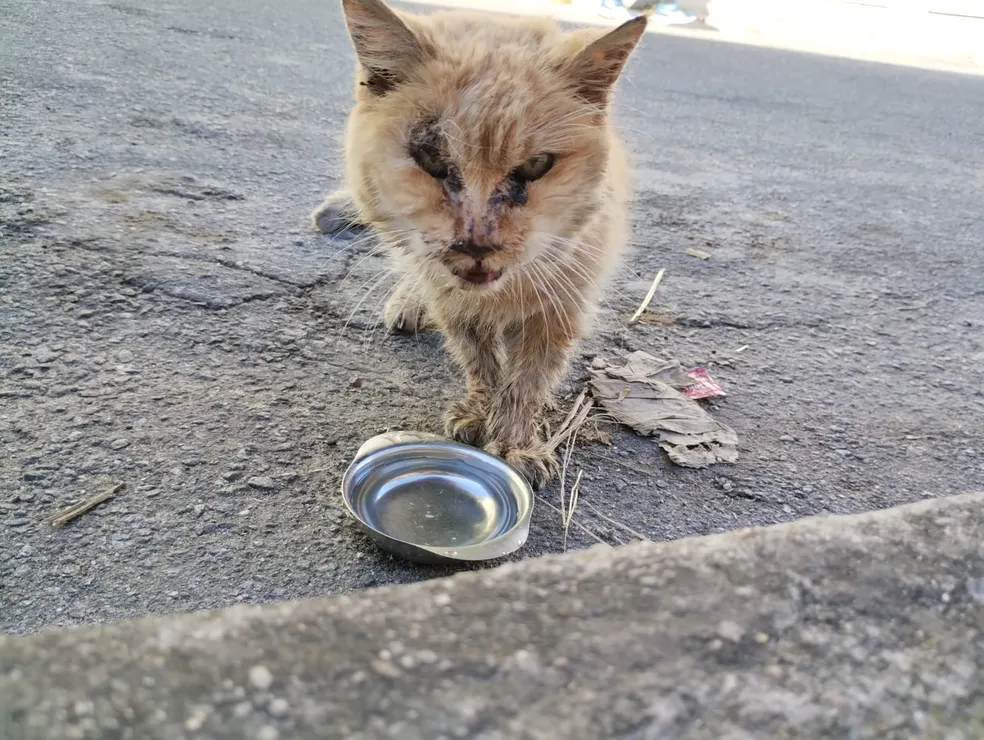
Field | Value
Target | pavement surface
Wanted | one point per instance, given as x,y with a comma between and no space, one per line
168,321
839,627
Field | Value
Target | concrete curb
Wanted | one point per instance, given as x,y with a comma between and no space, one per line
892,34
862,626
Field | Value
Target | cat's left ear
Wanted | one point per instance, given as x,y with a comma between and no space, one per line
598,67
384,44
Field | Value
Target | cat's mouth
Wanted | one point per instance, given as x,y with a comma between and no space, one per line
478,274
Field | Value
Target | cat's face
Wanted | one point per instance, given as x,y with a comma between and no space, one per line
480,150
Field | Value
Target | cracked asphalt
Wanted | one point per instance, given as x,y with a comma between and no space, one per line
169,322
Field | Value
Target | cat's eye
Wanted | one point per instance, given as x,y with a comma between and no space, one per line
430,161
534,168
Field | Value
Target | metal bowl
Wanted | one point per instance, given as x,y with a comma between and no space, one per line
438,501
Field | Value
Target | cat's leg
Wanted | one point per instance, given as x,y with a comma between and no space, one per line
337,213
536,359
477,348
406,310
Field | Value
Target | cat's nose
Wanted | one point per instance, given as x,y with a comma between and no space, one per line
471,248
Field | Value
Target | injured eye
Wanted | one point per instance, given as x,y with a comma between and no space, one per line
534,168
429,158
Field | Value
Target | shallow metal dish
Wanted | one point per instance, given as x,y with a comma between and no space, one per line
438,501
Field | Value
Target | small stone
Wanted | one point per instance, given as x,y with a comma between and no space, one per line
214,527
442,599
262,483
356,383
408,661
124,355
44,355
198,510
268,733
19,522
761,638
774,671
279,707
35,474
384,668
787,438
730,631
260,677
119,444
975,589
196,721
598,363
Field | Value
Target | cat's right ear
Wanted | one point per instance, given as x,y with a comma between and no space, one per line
597,67
385,46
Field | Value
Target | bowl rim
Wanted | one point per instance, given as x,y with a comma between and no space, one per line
479,551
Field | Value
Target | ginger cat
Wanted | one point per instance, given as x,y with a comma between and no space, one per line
481,151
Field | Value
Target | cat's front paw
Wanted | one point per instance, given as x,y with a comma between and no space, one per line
464,422
406,313
535,462
337,214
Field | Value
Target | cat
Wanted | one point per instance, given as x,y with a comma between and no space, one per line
481,152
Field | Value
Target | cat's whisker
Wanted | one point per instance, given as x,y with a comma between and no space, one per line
379,314
517,286
573,267
378,278
569,118
355,244
566,262
371,236
574,293
421,308
543,310
342,283
374,252
544,286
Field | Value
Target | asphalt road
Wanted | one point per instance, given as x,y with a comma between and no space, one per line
168,321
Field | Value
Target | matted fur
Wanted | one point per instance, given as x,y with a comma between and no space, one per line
486,93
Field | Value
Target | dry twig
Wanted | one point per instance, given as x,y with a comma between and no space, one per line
575,419
616,523
649,296
574,522
63,516
571,506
